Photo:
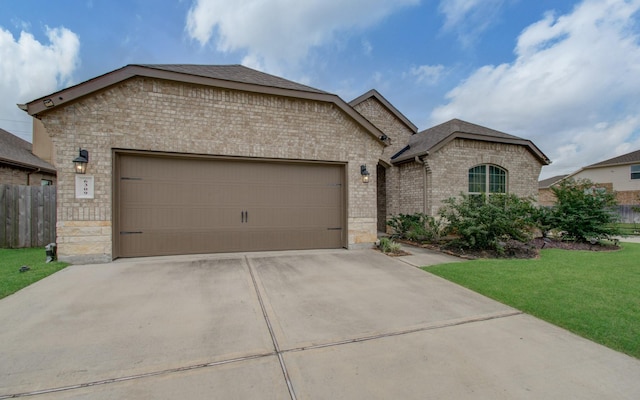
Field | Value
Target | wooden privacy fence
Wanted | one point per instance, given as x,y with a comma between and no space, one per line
28,215
627,214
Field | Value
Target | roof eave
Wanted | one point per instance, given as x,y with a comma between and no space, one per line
20,164
73,93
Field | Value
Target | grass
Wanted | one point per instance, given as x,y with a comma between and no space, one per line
593,294
12,280
629,229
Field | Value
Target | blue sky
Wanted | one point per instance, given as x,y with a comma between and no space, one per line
565,74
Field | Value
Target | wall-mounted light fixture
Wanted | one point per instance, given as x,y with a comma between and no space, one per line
80,162
48,103
365,174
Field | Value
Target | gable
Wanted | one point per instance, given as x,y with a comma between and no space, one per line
234,77
433,139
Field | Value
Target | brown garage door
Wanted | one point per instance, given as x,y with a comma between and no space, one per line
171,205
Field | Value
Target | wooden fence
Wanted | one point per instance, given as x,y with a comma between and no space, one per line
627,214
28,215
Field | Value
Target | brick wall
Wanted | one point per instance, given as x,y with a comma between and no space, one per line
399,134
625,197
628,197
448,169
155,115
18,176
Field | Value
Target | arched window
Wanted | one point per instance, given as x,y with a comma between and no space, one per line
487,179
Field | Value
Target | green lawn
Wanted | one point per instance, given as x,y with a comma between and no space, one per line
12,280
593,294
630,229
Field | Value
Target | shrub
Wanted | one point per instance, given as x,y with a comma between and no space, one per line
388,246
488,222
417,227
584,212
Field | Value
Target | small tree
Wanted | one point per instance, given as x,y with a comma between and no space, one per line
584,212
488,222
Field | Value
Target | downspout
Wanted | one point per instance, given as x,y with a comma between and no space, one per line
424,182
29,176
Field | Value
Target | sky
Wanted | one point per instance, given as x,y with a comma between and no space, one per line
564,74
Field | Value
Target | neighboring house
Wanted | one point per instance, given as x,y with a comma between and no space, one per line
200,159
19,166
459,157
545,194
620,174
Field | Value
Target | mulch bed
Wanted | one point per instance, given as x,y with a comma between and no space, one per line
514,249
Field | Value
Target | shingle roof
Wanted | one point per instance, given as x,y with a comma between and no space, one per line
629,158
16,151
433,138
545,183
233,73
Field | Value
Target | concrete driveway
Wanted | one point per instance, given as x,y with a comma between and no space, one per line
301,325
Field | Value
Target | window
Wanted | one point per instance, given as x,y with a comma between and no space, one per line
635,171
487,179
46,182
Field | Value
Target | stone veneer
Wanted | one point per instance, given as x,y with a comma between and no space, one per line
165,116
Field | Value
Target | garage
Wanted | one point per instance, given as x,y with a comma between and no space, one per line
170,205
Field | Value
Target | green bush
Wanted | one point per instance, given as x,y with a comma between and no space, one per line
387,245
584,212
417,227
488,222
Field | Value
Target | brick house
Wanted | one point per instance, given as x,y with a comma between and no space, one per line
620,174
19,166
460,157
199,159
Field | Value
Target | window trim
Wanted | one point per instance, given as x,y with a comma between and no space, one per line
487,185
634,174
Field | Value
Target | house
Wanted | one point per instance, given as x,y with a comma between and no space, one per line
199,159
19,166
545,194
620,174
460,157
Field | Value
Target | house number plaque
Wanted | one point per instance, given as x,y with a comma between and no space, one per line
84,187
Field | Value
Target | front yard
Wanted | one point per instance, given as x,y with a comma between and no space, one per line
11,260
593,294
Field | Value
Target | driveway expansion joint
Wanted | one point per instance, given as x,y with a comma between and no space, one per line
133,377
273,336
408,331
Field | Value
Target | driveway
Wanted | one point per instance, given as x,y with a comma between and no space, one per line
302,325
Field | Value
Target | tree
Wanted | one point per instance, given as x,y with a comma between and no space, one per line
488,222
584,212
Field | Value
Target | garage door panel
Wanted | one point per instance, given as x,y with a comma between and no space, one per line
170,205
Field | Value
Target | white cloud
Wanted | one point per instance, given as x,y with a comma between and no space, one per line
30,69
281,32
367,48
469,18
572,88
428,74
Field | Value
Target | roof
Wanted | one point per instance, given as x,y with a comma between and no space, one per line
546,183
233,73
629,158
433,139
17,152
376,95
234,77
